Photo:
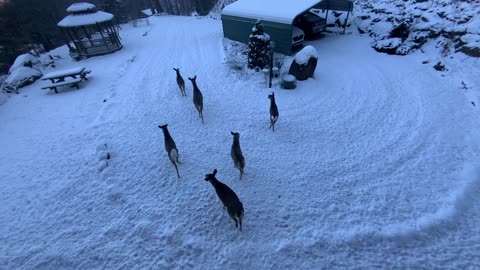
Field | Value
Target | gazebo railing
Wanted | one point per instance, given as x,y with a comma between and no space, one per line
97,45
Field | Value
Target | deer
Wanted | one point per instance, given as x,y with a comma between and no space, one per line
197,97
228,197
236,153
273,111
180,82
171,147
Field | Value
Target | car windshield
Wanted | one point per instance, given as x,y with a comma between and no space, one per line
309,17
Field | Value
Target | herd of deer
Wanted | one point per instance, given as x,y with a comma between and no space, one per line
228,197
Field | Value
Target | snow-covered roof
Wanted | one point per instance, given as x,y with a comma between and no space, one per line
281,11
80,7
85,19
147,12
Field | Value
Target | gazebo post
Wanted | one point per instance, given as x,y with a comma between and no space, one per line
115,34
87,35
66,40
99,29
74,43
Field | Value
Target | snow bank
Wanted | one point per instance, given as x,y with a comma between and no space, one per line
306,53
454,205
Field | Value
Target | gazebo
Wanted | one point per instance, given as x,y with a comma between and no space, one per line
91,31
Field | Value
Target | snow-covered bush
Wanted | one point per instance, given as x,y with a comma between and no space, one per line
258,47
20,77
235,55
24,60
47,60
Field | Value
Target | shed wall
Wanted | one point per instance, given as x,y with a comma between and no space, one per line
239,29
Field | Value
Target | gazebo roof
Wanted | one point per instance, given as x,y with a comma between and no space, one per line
81,7
82,14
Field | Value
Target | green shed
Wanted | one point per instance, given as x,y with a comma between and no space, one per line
277,17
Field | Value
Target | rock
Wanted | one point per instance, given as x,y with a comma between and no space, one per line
439,66
470,45
402,31
387,45
304,64
470,51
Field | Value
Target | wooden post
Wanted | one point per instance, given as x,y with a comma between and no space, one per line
115,35
66,40
77,46
345,24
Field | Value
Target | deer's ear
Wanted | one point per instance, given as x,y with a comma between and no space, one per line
231,132
214,172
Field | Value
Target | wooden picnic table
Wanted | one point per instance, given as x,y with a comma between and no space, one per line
58,77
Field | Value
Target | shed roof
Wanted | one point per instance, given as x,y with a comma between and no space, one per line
281,11
85,19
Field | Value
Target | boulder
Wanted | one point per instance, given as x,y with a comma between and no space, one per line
304,64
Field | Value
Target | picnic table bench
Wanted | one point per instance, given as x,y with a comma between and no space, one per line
58,78
74,83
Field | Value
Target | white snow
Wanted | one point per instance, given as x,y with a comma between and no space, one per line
373,164
79,7
85,19
63,72
289,78
305,54
23,59
46,60
281,11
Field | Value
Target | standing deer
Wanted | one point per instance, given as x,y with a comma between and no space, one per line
273,111
237,156
171,147
197,97
180,82
228,197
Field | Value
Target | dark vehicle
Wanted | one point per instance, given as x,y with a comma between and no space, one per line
311,24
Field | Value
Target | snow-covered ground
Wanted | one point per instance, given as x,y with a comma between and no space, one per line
373,164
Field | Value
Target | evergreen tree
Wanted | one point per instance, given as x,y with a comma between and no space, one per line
258,47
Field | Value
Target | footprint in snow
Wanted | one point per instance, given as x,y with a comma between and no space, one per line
103,156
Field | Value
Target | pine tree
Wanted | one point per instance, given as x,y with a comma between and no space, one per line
258,47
